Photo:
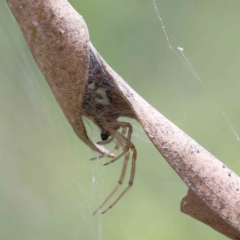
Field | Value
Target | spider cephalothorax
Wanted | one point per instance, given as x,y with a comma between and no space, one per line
103,105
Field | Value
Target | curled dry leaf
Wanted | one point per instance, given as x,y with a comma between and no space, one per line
58,39
47,27
197,208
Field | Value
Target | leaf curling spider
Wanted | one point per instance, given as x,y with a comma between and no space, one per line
103,105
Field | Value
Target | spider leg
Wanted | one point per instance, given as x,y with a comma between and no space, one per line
125,142
112,138
105,142
118,185
108,141
130,183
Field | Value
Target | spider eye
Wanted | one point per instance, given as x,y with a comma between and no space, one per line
104,136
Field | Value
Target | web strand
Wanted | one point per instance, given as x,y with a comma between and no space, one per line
188,64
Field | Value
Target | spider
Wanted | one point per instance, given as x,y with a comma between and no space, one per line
103,105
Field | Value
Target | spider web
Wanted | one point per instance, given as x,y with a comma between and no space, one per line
187,63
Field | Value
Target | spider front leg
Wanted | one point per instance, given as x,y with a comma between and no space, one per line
108,141
124,169
130,183
125,144
121,139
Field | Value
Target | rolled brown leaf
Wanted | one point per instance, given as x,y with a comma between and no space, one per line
195,207
58,40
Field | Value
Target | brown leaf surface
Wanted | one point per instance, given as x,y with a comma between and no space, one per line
58,39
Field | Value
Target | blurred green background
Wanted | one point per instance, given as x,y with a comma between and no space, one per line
48,186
